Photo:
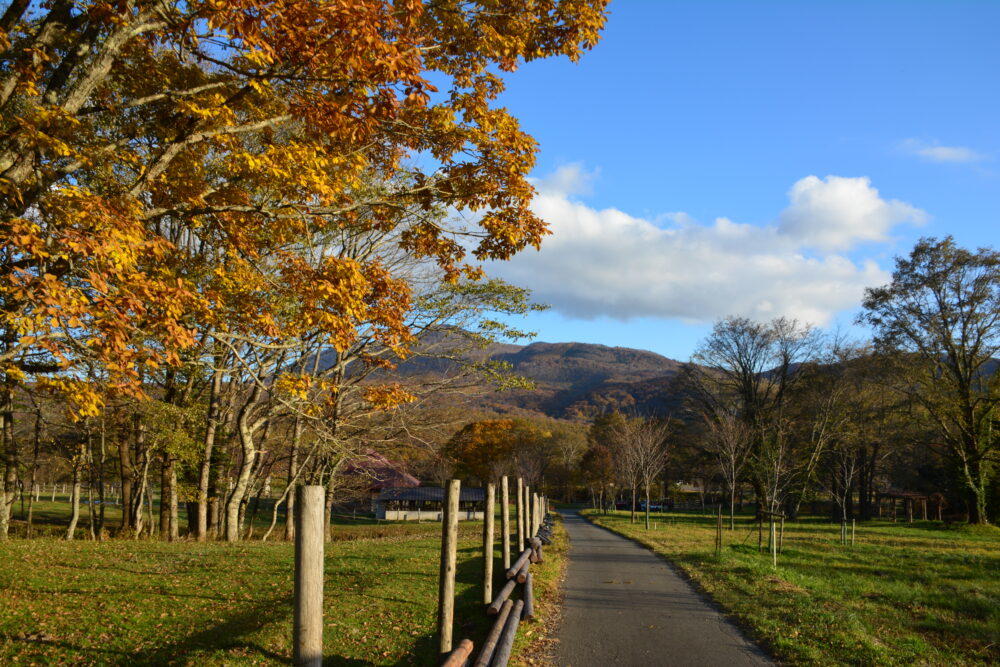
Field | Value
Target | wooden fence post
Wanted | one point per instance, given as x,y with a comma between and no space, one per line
449,544
718,532
308,618
505,520
532,513
520,515
527,515
488,545
774,545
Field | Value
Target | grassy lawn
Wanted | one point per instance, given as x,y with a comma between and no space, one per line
123,602
51,518
920,593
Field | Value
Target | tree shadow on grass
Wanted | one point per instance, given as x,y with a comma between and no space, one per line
226,636
471,621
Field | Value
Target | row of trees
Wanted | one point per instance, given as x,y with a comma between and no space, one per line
790,414
223,224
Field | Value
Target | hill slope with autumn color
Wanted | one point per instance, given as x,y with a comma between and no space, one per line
576,380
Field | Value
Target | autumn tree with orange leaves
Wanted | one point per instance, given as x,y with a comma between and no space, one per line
169,170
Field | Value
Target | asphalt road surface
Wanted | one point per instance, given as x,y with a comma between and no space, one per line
625,606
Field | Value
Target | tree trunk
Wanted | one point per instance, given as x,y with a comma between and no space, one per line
125,474
10,453
75,493
293,471
204,475
732,507
976,492
234,503
34,468
328,514
164,496
170,491
140,494
647,507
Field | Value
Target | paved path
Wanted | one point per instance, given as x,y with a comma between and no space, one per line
625,606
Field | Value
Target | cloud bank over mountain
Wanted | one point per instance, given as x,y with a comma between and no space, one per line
608,263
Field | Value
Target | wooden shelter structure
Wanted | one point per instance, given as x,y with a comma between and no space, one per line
897,501
426,502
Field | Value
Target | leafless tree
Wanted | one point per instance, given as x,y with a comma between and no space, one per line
729,440
641,450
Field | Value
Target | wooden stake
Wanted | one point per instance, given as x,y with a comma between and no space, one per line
527,515
774,546
718,533
449,544
505,521
308,617
781,535
488,546
852,532
520,515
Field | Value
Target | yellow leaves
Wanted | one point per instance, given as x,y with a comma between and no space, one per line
387,397
83,397
295,385
13,372
245,193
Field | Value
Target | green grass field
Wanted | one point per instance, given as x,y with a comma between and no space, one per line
913,594
123,602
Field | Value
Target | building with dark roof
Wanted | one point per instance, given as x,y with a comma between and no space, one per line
426,503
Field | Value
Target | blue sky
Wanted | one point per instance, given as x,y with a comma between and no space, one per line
755,158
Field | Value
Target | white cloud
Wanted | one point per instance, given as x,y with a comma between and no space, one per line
569,179
609,263
935,152
836,213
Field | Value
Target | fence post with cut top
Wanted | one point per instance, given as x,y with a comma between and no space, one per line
308,617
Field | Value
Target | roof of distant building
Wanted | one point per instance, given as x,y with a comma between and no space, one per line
432,493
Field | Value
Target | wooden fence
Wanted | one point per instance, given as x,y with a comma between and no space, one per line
533,530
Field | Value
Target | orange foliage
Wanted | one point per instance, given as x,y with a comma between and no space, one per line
174,167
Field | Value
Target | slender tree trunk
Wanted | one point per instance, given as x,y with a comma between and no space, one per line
328,514
75,493
170,491
164,496
975,490
100,479
140,494
11,456
647,507
34,468
125,475
293,472
732,507
234,503
204,475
